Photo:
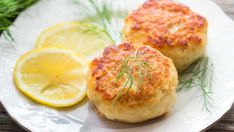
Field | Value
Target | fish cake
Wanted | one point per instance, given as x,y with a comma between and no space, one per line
131,83
169,27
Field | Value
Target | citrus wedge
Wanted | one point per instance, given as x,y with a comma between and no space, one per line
86,39
54,77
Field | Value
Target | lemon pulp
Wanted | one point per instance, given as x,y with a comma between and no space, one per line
54,77
86,39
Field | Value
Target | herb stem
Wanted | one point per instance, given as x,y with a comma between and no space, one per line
199,75
9,9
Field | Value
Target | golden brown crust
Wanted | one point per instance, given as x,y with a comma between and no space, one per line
103,72
166,23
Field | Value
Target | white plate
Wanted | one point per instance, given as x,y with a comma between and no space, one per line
187,114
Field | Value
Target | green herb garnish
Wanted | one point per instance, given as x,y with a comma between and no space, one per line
127,66
199,75
100,12
9,9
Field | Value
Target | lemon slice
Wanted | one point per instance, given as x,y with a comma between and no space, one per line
54,77
86,39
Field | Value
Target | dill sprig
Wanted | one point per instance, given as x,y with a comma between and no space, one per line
126,67
100,12
199,75
91,29
9,9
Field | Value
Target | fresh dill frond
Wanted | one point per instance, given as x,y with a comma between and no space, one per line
91,29
199,75
9,9
100,12
127,66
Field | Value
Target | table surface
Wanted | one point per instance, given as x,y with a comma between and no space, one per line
225,124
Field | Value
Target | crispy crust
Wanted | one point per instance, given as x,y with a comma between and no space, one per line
166,23
103,73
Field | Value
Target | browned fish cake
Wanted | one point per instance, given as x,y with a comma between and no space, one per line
132,83
170,27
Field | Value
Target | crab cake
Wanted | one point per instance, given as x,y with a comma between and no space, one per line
132,83
170,27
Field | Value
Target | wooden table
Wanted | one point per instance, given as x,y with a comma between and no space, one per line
225,124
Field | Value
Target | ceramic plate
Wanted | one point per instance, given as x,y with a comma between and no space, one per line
187,114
